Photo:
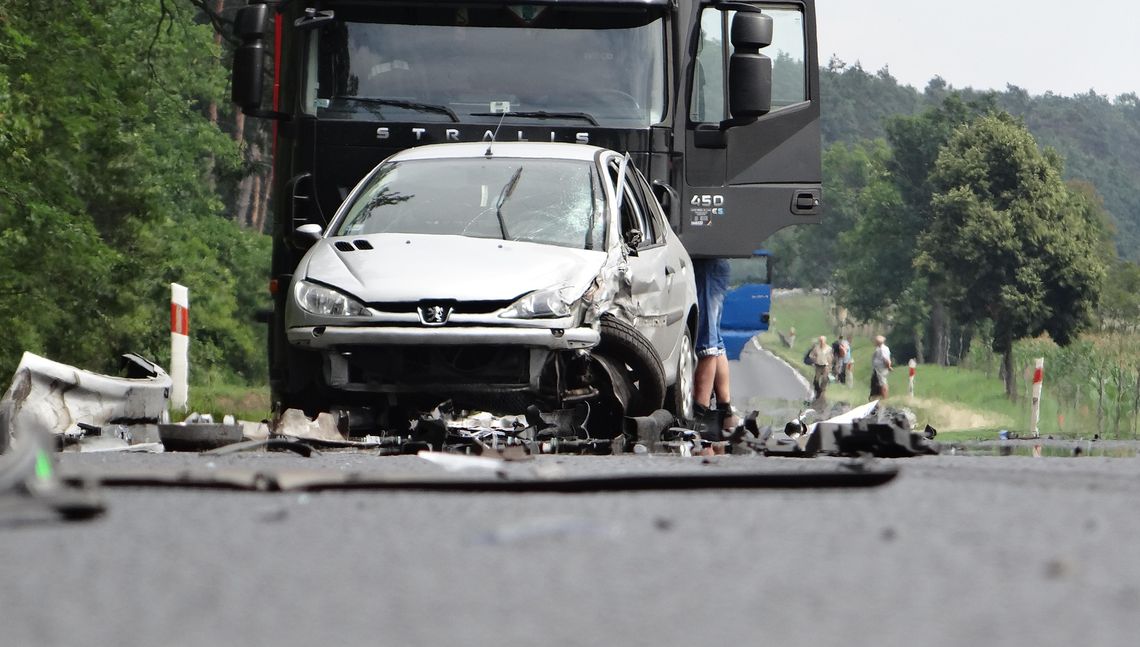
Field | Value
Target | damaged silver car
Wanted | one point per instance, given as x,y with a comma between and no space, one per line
497,277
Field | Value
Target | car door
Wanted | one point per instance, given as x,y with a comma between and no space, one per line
746,178
650,274
678,298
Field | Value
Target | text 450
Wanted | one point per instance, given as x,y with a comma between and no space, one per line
707,200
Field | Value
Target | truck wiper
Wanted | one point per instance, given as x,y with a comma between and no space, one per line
402,103
503,195
541,114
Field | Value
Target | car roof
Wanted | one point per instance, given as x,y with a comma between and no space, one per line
534,150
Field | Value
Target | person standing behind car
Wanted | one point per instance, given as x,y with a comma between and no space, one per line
880,368
712,372
821,357
847,372
837,360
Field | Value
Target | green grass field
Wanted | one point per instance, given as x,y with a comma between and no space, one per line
960,403
243,402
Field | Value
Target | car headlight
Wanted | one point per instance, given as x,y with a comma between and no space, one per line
320,300
551,303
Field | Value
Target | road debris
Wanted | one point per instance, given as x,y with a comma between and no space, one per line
199,432
503,481
869,429
459,462
267,444
30,488
57,399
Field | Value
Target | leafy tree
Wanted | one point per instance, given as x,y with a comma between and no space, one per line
875,254
916,142
105,148
856,102
808,256
1006,239
1120,301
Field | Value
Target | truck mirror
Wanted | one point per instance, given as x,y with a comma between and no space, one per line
751,30
249,58
749,71
306,235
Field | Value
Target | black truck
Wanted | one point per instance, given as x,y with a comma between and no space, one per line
716,102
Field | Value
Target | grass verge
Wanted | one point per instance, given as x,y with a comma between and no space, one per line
241,401
968,404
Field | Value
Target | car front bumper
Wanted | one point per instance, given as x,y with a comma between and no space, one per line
329,337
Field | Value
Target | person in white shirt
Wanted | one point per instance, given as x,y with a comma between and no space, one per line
880,368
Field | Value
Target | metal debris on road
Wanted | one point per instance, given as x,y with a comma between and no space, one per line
56,399
502,481
868,429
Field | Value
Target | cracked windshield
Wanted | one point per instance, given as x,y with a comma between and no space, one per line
539,201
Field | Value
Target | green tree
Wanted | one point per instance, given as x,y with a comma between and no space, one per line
1007,239
107,196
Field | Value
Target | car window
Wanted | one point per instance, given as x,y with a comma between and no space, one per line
634,212
553,202
654,225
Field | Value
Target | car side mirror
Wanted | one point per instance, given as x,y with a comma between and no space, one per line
633,240
306,236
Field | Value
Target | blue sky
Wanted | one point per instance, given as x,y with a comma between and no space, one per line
1040,45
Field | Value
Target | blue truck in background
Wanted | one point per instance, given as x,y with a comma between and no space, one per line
748,304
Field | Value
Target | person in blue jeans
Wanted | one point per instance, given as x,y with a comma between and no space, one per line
712,376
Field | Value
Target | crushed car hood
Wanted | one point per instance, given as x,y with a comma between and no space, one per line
412,267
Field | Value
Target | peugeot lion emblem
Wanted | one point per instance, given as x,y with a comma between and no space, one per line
434,315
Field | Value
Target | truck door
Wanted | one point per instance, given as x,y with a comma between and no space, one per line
747,176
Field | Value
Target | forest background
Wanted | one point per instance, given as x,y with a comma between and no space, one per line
124,168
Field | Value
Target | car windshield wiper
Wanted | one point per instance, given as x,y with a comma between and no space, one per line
540,114
503,195
402,103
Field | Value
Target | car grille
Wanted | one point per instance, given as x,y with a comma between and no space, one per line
423,365
457,307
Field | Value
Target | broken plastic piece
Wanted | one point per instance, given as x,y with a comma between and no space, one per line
51,397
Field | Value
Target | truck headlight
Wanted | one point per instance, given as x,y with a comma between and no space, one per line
552,303
320,300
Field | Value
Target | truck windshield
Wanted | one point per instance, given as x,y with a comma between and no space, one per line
441,61
552,202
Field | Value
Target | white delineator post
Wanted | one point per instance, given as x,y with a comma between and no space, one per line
1038,376
910,379
179,346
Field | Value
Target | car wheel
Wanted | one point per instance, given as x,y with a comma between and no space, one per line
624,344
680,395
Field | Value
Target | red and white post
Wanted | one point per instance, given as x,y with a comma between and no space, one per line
179,346
1038,376
911,365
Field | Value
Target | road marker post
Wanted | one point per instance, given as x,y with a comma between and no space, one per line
910,379
179,346
1038,375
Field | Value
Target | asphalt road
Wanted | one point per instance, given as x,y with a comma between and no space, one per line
955,551
763,382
